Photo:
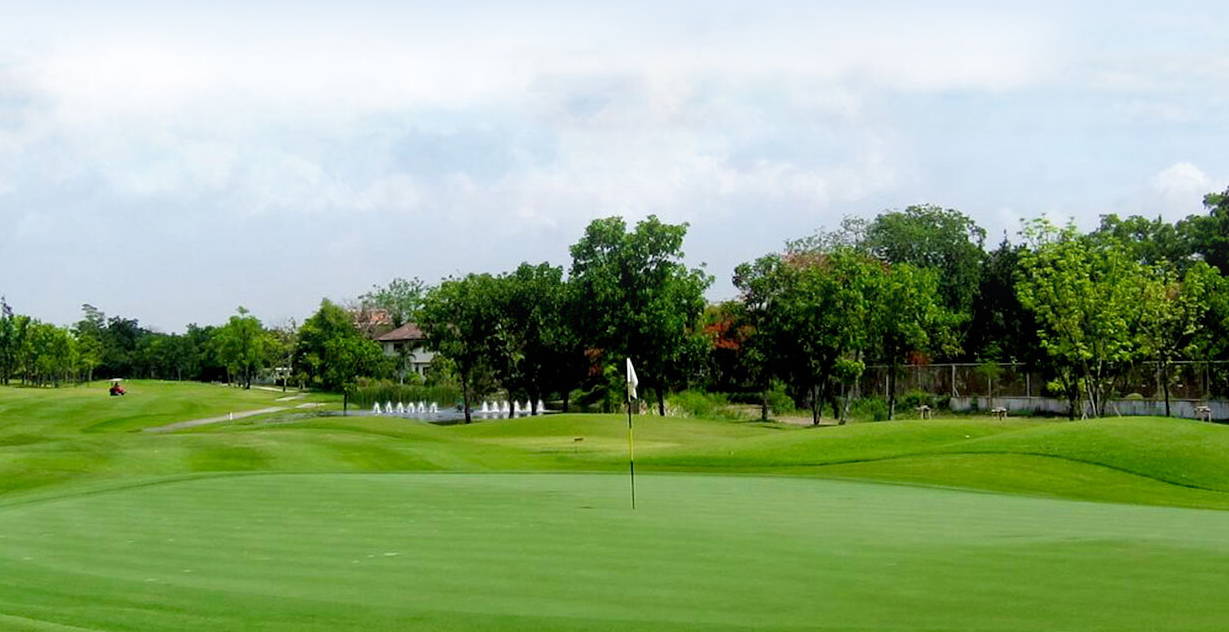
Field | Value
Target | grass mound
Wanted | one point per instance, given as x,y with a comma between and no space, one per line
79,436
1147,460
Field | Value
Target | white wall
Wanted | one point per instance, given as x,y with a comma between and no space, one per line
1131,407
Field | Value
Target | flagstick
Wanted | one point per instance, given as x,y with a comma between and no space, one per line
631,453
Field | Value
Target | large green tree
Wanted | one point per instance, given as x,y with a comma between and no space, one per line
332,353
1208,235
1088,297
89,332
542,351
462,322
48,355
638,299
928,236
1150,241
810,313
243,346
906,317
120,341
1002,329
1174,310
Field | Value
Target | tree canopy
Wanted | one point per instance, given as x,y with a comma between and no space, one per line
638,299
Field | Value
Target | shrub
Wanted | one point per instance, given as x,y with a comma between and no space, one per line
607,395
368,392
871,408
914,398
779,401
702,404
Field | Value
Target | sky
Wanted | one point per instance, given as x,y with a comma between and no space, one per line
171,161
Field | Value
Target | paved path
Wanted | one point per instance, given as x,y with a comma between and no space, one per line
180,425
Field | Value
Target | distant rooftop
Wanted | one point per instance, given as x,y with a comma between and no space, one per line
408,331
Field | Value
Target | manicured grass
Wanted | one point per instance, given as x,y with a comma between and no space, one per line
362,523
563,552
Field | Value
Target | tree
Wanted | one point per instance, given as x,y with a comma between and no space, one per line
541,347
1001,329
462,322
401,299
89,334
929,236
731,365
280,350
1151,242
12,339
1208,235
50,354
850,235
640,300
1088,298
810,312
1175,307
242,346
120,339
201,348
333,353
906,316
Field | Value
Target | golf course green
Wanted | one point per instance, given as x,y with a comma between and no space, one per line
288,521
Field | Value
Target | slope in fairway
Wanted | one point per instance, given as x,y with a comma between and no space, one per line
563,552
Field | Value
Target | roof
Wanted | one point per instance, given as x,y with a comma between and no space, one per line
408,331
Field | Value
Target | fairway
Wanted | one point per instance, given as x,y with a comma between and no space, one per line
564,552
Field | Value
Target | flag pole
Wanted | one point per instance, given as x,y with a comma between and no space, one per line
631,451
631,384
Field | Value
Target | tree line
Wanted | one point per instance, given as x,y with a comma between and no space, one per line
907,287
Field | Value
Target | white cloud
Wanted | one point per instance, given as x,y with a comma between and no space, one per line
160,66
646,105
517,124
1181,187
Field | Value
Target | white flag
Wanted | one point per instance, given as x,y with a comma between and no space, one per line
632,381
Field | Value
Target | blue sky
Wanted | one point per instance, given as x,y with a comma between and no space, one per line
172,161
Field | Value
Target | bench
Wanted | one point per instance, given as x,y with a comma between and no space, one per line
923,411
1203,413
999,413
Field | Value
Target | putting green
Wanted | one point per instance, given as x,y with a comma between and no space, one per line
564,552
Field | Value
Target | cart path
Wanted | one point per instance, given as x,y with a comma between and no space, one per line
180,425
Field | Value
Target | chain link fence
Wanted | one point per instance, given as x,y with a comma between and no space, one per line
1023,387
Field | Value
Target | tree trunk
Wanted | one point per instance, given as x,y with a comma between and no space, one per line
764,405
815,412
1165,386
465,398
844,406
891,392
661,400
567,400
